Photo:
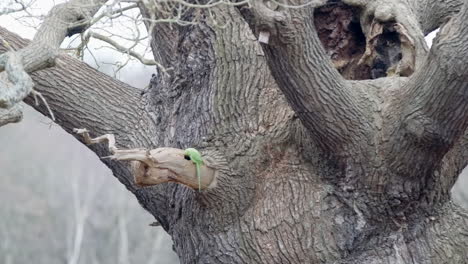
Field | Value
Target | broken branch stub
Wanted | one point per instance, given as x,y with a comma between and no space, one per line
267,21
156,166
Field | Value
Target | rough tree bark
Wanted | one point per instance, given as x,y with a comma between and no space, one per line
348,160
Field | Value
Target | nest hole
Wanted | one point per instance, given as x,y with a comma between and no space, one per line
340,32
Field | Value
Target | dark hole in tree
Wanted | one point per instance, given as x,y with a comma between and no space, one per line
187,157
339,29
388,52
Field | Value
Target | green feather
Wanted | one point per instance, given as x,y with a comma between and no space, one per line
196,158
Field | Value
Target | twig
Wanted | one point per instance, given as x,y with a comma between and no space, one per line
38,94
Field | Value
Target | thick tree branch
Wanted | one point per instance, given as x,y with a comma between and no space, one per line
434,13
429,14
434,104
313,87
42,51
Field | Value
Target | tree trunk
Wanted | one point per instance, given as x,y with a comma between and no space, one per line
313,167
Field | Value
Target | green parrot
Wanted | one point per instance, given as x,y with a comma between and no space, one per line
195,156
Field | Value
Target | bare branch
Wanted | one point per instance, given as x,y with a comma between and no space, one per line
111,14
38,94
14,7
211,3
433,14
16,83
125,50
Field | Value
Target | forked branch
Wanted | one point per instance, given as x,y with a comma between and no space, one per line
15,82
316,91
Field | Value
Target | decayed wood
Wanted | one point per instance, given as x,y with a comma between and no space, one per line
322,100
156,166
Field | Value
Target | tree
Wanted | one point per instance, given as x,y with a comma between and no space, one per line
315,160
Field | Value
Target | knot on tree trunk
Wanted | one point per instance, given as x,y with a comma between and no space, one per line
271,24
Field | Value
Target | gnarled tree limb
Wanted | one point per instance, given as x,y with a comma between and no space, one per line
434,13
433,106
319,95
430,14
42,51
